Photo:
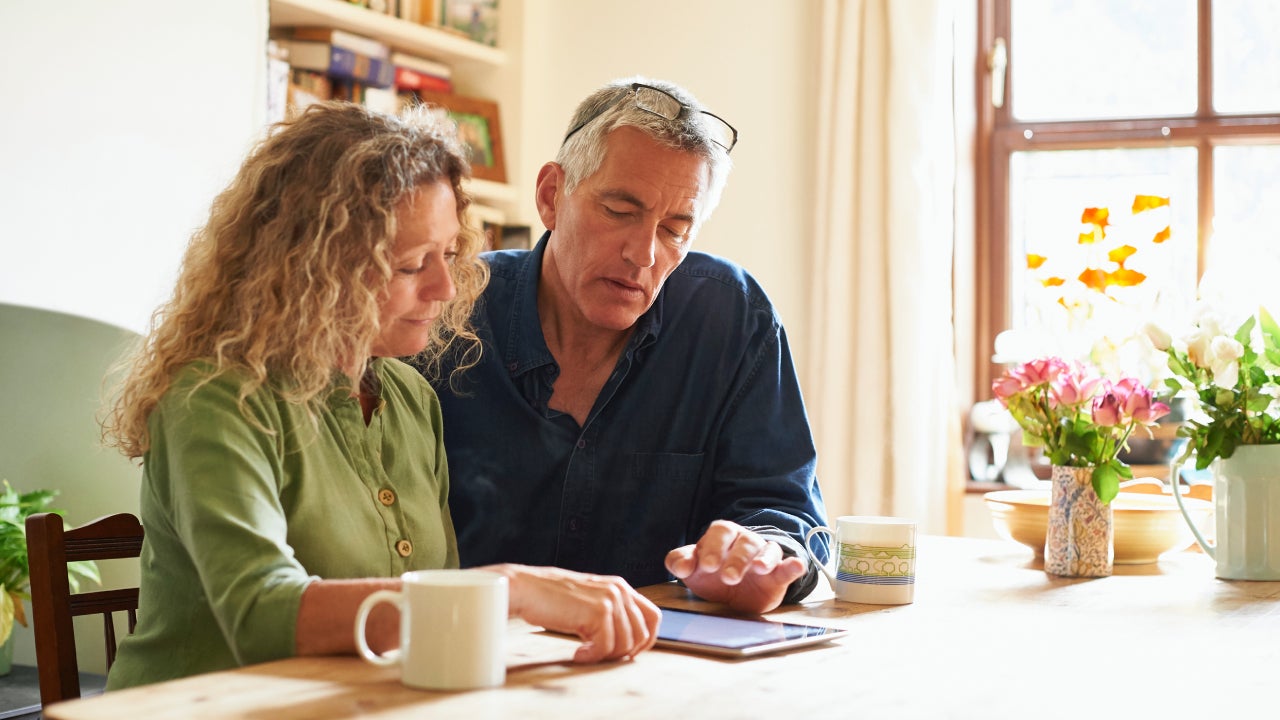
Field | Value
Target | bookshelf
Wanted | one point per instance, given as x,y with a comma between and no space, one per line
400,34
476,67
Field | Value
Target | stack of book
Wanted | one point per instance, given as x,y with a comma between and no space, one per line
327,63
422,12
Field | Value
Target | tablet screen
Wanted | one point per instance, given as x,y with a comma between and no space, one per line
736,636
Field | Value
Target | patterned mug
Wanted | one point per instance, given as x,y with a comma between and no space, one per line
874,558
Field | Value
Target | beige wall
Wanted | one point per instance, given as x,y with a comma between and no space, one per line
753,63
120,121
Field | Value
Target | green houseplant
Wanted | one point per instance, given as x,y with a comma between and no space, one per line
14,509
1234,379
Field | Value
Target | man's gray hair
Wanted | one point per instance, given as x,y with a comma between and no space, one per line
603,111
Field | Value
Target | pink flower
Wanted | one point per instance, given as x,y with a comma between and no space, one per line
1073,387
1042,370
1137,403
1006,386
1106,409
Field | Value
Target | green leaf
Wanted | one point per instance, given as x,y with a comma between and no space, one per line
1244,331
1270,329
1106,482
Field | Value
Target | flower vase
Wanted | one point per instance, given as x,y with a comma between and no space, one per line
1078,542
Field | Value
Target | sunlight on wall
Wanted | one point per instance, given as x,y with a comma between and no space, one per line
131,116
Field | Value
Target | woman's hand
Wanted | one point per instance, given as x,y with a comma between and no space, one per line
613,619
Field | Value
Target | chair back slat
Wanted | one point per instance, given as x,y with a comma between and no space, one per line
49,548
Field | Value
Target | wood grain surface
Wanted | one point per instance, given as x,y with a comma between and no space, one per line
990,635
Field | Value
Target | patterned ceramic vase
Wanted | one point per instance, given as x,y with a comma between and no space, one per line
1078,542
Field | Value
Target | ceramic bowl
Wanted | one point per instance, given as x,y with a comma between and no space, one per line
1146,525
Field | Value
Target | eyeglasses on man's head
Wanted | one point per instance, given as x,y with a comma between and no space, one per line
665,105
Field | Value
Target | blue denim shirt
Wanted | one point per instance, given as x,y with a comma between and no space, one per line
701,419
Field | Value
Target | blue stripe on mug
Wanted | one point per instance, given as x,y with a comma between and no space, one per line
876,579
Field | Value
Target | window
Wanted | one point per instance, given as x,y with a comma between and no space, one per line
1128,158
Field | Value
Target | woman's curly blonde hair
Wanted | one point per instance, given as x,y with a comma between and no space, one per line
282,284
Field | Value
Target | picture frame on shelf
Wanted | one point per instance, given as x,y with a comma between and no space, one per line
476,19
479,129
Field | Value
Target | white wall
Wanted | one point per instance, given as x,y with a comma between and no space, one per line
120,122
753,63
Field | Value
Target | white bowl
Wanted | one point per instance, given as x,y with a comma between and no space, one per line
1146,525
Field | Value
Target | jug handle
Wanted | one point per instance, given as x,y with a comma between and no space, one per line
813,556
1175,484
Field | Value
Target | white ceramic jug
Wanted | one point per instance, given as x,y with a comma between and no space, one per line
1246,500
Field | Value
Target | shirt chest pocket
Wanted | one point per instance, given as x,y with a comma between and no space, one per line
661,500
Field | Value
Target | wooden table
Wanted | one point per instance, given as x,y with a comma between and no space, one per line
990,635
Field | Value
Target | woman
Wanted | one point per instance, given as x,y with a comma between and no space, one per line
291,465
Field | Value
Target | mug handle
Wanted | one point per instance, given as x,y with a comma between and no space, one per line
1175,483
362,617
814,557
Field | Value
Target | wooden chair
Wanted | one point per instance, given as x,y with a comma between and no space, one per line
49,549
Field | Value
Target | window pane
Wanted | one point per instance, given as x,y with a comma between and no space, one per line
1101,59
1082,294
1246,56
1243,260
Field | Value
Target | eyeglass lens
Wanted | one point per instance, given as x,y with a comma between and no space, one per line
661,103
665,105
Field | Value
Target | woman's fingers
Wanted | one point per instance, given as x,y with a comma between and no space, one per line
613,619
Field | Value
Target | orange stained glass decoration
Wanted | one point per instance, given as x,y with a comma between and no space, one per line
1142,203
1162,235
1097,216
1124,277
1120,254
1035,261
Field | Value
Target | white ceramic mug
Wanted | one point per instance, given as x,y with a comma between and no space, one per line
452,629
875,559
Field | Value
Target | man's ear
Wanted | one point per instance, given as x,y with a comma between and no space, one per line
547,193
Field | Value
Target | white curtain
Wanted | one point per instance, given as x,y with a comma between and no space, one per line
881,368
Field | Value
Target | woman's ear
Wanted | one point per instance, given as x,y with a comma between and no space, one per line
547,193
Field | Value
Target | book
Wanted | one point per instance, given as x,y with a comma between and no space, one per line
339,62
277,82
421,65
341,38
407,79
422,12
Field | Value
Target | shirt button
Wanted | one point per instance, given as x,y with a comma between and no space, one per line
581,443
405,548
573,525
386,497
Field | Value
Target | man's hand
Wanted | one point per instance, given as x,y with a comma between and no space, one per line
737,567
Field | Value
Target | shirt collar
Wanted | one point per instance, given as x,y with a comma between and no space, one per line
526,348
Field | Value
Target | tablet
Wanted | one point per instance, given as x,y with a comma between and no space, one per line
736,637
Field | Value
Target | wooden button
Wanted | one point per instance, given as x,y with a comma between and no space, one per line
405,548
386,497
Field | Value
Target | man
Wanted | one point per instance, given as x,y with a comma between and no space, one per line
633,397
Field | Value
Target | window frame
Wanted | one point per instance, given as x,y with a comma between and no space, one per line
999,135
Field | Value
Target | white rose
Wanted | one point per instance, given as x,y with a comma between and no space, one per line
1160,339
1198,350
1224,352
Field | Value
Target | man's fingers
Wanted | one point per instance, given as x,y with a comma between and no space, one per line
746,548
682,562
767,559
714,545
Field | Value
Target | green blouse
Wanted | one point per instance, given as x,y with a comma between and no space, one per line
239,521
